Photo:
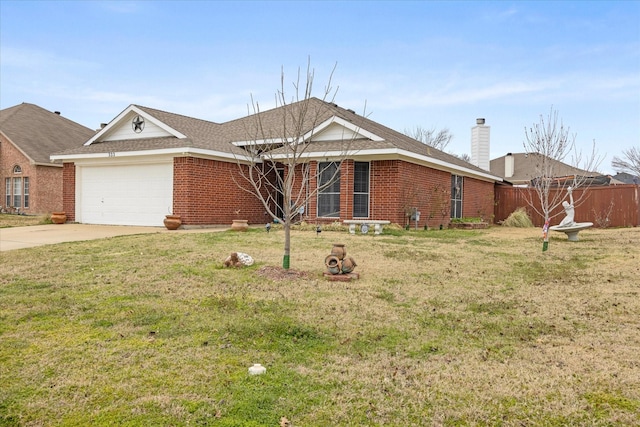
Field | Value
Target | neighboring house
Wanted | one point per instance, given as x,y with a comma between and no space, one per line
626,178
31,182
147,163
520,168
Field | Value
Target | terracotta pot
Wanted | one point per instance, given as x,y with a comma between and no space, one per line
172,222
58,217
333,264
240,225
348,264
338,250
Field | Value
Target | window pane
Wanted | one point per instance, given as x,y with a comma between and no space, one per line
26,192
361,189
329,205
456,196
361,205
361,177
7,191
17,192
329,197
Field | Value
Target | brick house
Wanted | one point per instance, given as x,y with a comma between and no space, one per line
147,163
31,182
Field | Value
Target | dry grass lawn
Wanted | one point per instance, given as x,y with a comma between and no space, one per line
443,327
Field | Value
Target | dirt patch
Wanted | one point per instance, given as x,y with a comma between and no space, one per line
279,273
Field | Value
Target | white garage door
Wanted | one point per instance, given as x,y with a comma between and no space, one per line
125,194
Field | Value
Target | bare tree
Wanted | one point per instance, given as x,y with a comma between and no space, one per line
464,156
630,162
548,143
438,140
281,173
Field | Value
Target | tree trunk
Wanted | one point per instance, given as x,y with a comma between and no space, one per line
287,244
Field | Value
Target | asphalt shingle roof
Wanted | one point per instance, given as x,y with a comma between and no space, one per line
274,123
525,166
40,133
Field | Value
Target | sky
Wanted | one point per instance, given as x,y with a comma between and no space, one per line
404,64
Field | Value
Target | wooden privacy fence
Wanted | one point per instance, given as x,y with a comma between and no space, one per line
610,206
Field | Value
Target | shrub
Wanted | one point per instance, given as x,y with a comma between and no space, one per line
518,218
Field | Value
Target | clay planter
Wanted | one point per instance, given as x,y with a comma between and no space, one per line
172,222
240,225
348,264
58,217
338,250
333,264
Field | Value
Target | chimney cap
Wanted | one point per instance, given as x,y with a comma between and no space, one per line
57,112
480,121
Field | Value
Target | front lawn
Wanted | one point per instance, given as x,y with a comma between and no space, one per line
444,327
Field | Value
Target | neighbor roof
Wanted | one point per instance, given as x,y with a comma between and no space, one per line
38,133
525,167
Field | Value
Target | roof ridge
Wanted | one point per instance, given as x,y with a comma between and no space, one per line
148,109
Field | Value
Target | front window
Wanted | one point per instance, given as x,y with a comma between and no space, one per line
361,190
456,196
26,192
17,192
329,190
7,192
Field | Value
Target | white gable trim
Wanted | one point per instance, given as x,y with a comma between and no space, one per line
121,117
342,122
315,131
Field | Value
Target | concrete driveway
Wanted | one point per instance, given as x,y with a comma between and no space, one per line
38,235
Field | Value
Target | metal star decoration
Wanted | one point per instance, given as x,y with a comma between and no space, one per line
137,124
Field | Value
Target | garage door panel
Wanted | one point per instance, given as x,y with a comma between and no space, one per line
125,194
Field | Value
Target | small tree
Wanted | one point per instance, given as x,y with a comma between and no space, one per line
548,143
630,162
279,172
438,140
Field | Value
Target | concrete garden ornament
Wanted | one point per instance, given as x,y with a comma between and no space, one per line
238,259
568,225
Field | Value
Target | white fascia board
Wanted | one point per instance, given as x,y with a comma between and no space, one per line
390,153
115,122
344,123
171,152
262,142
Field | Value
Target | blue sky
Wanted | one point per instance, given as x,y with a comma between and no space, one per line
429,64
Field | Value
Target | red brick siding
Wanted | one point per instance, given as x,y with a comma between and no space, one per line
45,182
397,186
204,193
478,199
69,191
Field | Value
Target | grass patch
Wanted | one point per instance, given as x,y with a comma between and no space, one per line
444,327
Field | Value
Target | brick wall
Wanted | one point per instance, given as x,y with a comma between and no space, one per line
478,199
204,193
397,186
69,190
45,182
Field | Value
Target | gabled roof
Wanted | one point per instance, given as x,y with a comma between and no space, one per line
318,122
525,165
626,178
38,133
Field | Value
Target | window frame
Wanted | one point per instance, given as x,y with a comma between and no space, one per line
328,199
365,194
456,195
25,192
7,189
17,192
